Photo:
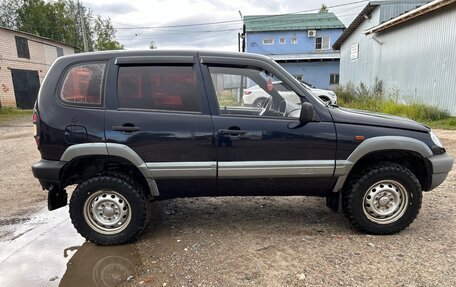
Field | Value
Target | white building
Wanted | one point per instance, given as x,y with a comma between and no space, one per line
24,61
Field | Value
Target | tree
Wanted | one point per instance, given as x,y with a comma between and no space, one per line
323,9
8,13
60,20
105,35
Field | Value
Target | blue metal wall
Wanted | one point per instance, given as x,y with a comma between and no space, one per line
316,73
254,43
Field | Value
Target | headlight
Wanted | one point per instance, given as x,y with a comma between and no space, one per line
435,139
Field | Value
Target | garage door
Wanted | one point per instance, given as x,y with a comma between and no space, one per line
26,84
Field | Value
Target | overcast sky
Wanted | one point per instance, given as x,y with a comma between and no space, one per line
129,17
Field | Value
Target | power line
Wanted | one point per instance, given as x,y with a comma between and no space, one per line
233,21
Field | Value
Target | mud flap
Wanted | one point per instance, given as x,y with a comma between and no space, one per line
57,198
332,201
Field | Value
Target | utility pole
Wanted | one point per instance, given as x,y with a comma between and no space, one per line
83,31
243,38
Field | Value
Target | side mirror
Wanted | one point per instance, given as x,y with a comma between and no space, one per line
307,113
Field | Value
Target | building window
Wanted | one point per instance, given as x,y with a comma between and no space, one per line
334,79
22,48
269,41
282,40
59,52
299,77
83,84
294,40
322,43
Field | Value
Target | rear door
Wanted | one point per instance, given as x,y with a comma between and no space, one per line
265,150
162,114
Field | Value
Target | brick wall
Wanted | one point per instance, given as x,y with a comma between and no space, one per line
42,54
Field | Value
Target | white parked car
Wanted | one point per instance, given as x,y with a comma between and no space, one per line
255,96
325,95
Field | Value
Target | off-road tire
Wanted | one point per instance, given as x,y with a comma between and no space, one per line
134,195
363,184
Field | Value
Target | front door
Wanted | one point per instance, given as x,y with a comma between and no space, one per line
263,149
163,115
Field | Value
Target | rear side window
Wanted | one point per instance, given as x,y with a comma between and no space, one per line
83,84
169,88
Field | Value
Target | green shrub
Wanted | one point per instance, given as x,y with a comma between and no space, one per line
377,100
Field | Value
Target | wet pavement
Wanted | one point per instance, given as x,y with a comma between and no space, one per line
47,251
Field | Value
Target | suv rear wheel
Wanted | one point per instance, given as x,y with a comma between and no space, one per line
109,209
384,199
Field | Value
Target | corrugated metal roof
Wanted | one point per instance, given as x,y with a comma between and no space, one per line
410,15
261,23
390,9
38,37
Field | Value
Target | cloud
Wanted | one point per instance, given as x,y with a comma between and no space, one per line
112,9
159,13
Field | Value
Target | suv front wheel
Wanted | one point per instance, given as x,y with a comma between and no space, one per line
383,199
109,210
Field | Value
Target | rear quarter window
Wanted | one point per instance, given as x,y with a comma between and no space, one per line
167,88
83,84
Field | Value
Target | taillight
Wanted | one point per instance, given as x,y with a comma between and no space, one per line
36,119
247,92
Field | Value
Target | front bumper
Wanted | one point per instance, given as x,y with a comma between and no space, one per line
48,172
441,166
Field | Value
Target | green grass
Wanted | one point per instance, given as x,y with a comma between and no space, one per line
12,113
376,100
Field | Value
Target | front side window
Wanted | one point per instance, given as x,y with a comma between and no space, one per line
254,93
321,43
168,88
83,84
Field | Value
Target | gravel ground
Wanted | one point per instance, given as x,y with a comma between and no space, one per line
259,241
20,192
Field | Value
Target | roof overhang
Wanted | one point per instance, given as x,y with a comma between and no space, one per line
305,57
363,15
38,37
409,15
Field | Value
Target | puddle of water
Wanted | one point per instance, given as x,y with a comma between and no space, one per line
47,251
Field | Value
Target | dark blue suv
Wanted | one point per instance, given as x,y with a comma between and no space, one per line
129,127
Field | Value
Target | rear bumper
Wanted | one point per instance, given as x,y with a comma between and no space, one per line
441,166
48,172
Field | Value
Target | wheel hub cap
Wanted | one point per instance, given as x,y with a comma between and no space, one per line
383,201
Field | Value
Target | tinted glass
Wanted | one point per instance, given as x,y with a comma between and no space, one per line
83,84
170,88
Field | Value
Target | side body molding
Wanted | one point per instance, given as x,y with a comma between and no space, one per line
112,149
343,167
